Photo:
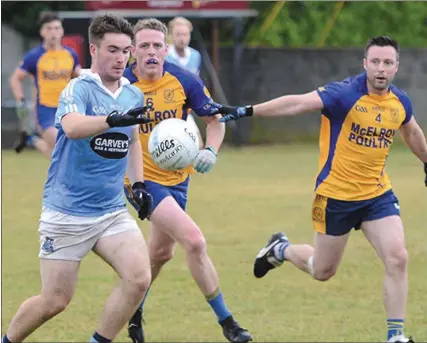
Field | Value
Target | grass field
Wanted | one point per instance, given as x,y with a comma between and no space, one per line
251,193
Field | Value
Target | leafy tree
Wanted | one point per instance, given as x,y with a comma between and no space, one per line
300,24
24,15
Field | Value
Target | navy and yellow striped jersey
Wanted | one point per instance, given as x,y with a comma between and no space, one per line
52,70
171,96
356,134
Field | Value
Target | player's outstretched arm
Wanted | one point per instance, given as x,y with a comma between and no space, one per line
416,141
287,105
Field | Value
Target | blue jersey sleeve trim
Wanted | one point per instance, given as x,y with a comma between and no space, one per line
74,55
30,60
405,101
197,95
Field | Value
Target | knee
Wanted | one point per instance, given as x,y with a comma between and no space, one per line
324,274
397,261
161,254
195,243
139,283
55,304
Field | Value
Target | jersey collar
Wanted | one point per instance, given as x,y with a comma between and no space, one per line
95,76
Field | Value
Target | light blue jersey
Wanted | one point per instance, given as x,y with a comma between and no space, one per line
86,176
191,61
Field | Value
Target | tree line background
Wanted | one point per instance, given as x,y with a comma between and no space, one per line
297,24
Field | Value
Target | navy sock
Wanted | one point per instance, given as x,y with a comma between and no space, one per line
5,339
395,327
141,306
32,139
97,338
137,317
217,303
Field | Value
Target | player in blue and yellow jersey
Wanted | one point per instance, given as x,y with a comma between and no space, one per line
52,66
83,206
360,117
170,91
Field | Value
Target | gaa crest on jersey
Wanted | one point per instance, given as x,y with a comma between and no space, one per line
111,145
169,94
394,113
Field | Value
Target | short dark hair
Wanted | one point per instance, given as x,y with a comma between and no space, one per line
47,17
382,41
108,23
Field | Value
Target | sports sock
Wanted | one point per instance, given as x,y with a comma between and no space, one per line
217,303
137,317
141,306
97,338
395,327
279,251
5,339
32,139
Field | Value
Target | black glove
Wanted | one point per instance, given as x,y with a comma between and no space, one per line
233,112
425,171
129,118
143,199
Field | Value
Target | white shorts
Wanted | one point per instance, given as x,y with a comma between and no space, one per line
67,237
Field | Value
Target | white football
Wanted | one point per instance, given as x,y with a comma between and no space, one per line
173,144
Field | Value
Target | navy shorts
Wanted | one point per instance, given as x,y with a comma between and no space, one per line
159,192
337,217
46,116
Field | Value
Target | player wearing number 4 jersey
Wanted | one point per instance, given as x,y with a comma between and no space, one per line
170,91
360,117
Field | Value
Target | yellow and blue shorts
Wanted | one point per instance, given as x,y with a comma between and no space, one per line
337,217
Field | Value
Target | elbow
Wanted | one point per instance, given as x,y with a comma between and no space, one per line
71,134
71,131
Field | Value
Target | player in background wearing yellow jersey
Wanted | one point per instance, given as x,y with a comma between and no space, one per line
51,65
170,91
360,117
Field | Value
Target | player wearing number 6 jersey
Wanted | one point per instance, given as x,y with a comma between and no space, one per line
170,91
360,117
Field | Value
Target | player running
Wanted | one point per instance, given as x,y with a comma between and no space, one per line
52,66
360,117
170,90
83,205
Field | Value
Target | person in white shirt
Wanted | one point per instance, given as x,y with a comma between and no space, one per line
180,53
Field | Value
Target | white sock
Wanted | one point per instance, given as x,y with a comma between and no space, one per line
310,265
279,251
